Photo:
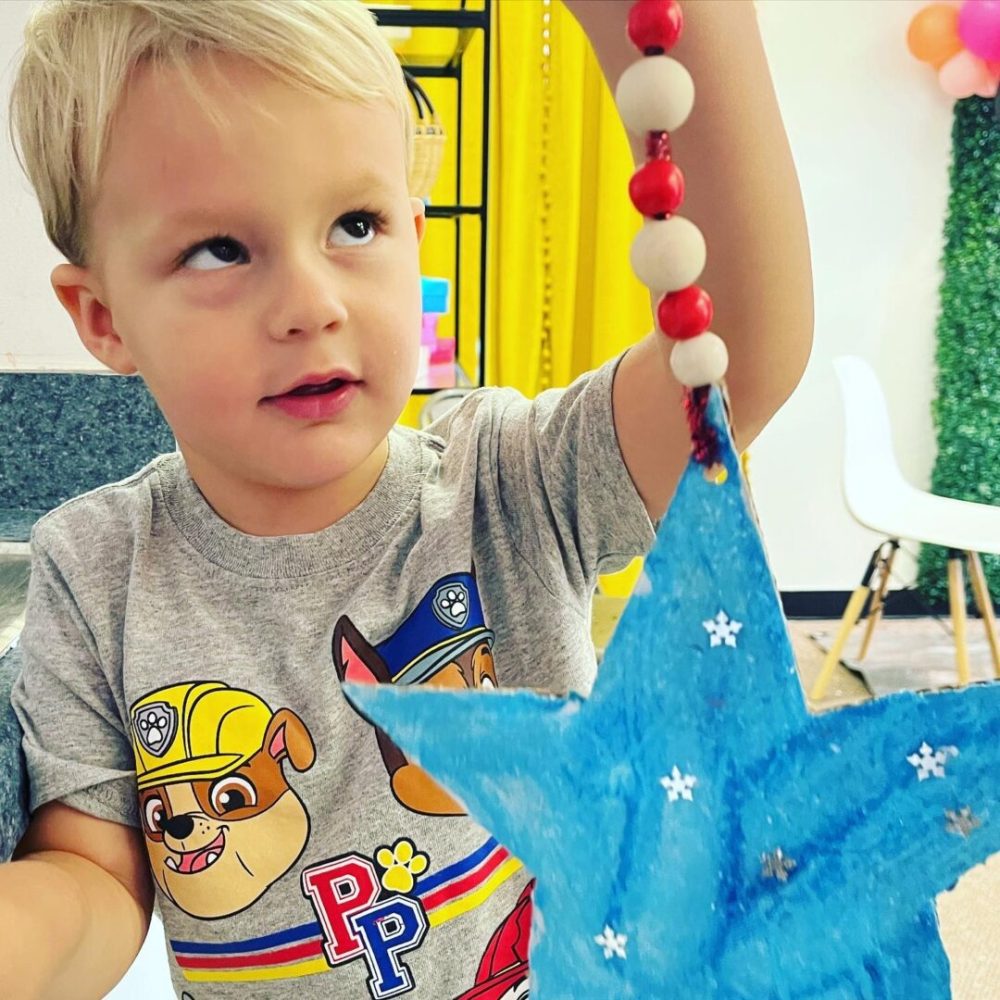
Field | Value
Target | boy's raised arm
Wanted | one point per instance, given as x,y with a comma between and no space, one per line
742,192
74,906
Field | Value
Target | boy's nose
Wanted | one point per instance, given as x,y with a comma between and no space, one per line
179,827
311,300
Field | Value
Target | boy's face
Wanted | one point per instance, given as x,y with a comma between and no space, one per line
319,271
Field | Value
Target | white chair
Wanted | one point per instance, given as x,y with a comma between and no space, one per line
880,498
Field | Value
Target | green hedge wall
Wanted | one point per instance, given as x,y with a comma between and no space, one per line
967,409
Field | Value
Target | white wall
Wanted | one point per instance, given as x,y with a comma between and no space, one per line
35,332
870,131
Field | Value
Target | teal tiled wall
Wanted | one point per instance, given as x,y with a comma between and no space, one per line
62,434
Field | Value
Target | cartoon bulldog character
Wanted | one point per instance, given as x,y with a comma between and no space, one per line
220,820
445,643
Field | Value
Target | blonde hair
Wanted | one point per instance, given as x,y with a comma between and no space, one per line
78,56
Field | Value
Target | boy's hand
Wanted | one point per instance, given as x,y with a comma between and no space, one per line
743,194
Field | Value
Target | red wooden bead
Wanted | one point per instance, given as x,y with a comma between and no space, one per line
655,25
685,313
657,188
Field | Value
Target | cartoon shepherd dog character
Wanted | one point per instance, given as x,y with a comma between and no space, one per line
220,820
445,643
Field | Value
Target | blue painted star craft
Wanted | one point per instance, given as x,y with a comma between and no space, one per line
694,830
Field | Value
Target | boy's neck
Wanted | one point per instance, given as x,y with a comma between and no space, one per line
264,510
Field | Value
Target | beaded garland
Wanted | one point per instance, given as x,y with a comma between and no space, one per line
654,97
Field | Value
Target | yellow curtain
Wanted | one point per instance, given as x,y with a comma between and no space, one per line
561,221
562,296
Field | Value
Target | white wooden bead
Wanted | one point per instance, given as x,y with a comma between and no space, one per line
701,360
655,94
668,254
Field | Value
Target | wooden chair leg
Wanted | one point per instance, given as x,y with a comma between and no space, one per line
878,604
985,604
852,613
956,595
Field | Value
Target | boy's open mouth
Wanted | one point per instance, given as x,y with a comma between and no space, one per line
197,861
316,390
317,384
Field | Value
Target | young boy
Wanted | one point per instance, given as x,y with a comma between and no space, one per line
187,628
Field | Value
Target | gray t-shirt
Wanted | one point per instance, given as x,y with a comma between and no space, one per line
182,676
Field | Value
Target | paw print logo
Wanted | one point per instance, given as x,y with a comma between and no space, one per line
402,863
451,605
156,726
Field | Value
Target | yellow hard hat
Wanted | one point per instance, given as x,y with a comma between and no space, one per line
195,731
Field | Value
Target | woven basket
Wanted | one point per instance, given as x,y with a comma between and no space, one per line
428,142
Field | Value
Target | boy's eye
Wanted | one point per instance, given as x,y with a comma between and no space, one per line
359,228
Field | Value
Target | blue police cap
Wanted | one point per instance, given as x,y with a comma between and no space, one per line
447,622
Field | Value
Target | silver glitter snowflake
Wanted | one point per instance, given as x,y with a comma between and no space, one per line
962,822
776,865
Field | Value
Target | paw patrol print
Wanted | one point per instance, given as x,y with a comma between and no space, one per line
402,863
453,602
156,725
452,605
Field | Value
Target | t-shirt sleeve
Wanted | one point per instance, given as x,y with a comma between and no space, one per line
75,745
561,484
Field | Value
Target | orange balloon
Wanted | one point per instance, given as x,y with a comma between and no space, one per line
933,34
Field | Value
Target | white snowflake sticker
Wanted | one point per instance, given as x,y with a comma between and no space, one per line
679,785
929,761
722,629
612,943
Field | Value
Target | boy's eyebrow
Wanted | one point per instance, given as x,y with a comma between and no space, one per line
361,188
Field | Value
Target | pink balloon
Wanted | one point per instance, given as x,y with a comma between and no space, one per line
964,75
988,86
979,27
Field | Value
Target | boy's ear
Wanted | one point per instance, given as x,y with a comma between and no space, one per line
76,290
419,218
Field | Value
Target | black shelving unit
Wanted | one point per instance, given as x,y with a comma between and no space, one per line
468,22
